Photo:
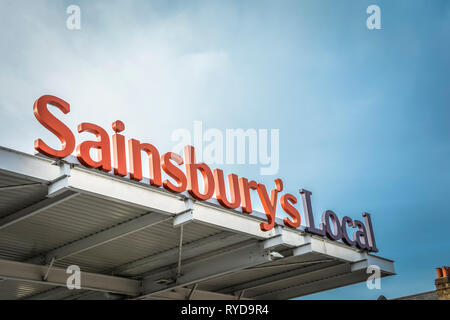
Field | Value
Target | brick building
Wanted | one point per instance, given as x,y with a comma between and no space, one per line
442,291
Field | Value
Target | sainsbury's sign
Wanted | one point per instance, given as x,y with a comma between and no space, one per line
352,232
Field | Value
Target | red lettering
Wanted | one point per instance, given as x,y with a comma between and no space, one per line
286,200
173,172
135,147
119,156
269,205
244,187
192,178
221,193
102,144
55,126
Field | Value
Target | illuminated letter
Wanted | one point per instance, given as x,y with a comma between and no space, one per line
173,172
286,200
309,216
370,234
221,193
327,225
119,156
58,128
270,205
346,221
244,187
135,147
361,233
102,144
192,178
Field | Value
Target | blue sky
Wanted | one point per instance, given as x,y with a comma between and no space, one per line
363,114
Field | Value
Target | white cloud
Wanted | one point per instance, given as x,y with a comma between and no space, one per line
146,72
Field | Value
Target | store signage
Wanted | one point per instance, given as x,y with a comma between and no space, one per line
351,232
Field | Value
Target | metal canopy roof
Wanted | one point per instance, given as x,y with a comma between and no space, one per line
125,237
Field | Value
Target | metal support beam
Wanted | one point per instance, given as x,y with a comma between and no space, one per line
180,252
286,238
343,274
81,295
96,295
56,293
35,209
330,249
192,291
335,279
190,250
181,293
34,168
121,230
91,281
207,268
386,266
332,256
122,190
49,269
20,186
227,220
165,258
315,267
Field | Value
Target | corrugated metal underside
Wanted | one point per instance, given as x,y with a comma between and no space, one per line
13,290
273,276
138,245
16,199
75,219
84,216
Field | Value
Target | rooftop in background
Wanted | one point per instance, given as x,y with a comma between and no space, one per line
442,291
